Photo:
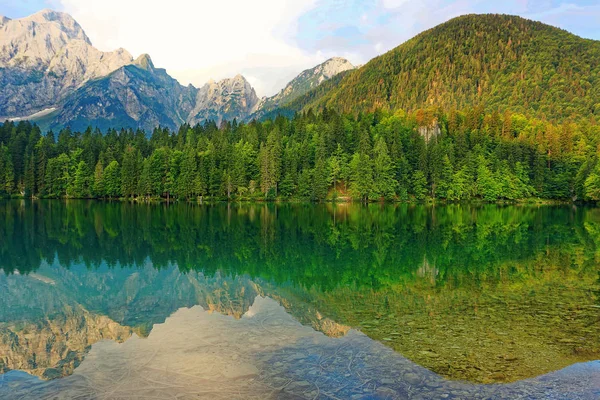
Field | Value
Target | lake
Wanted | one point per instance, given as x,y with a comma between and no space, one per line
119,300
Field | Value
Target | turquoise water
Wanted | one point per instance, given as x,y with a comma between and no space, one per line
117,300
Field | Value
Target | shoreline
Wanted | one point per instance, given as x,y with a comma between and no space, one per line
200,201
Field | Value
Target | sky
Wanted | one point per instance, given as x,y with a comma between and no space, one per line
271,41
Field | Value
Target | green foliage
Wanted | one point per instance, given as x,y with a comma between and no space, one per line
498,61
455,156
419,185
112,180
383,171
82,181
99,188
57,176
592,184
6,171
130,173
361,176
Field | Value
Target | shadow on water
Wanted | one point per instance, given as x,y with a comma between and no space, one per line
483,294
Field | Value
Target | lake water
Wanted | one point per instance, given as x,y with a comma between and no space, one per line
114,300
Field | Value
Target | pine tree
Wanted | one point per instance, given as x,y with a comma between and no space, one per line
130,172
112,180
361,181
446,189
419,185
487,186
99,189
186,185
82,181
321,175
383,171
6,171
159,168
30,181
144,183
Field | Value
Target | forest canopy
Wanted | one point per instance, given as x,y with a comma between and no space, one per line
452,156
501,62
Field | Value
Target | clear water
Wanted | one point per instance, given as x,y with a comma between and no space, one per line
114,300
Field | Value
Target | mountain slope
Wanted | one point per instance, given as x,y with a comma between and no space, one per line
224,100
303,83
50,73
134,96
142,96
499,61
43,58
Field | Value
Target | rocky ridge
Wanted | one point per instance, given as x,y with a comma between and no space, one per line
302,84
43,58
51,74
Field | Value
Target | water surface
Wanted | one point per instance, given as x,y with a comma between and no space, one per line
114,300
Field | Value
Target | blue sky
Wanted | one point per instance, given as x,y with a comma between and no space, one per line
270,41
369,25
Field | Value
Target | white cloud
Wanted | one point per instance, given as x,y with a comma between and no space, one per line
394,3
199,40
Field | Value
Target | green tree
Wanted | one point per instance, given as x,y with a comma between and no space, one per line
6,171
159,170
361,181
99,189
592,184
383,171
130,172
112,180
419,185
186,186
57,176
487,186
82,182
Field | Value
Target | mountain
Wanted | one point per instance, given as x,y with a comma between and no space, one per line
224,100
137,95
142,96
498,61
307,80
50,73
43,58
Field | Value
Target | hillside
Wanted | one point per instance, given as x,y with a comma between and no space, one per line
303,83
45,57
499,61
135,96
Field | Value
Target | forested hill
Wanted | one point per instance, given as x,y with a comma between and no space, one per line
501,62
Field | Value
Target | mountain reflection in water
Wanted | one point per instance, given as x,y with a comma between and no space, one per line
247,301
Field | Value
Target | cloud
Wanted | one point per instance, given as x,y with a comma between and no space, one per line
371,27
199,40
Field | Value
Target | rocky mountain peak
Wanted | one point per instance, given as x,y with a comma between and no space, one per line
65,22
333,66
43,58
224,100
304,82
145,62
3,20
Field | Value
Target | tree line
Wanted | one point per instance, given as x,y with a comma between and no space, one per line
452,156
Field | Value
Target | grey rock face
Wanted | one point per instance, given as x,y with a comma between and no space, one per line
224,100
307,80
142,96
134,96
50,73
43,58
